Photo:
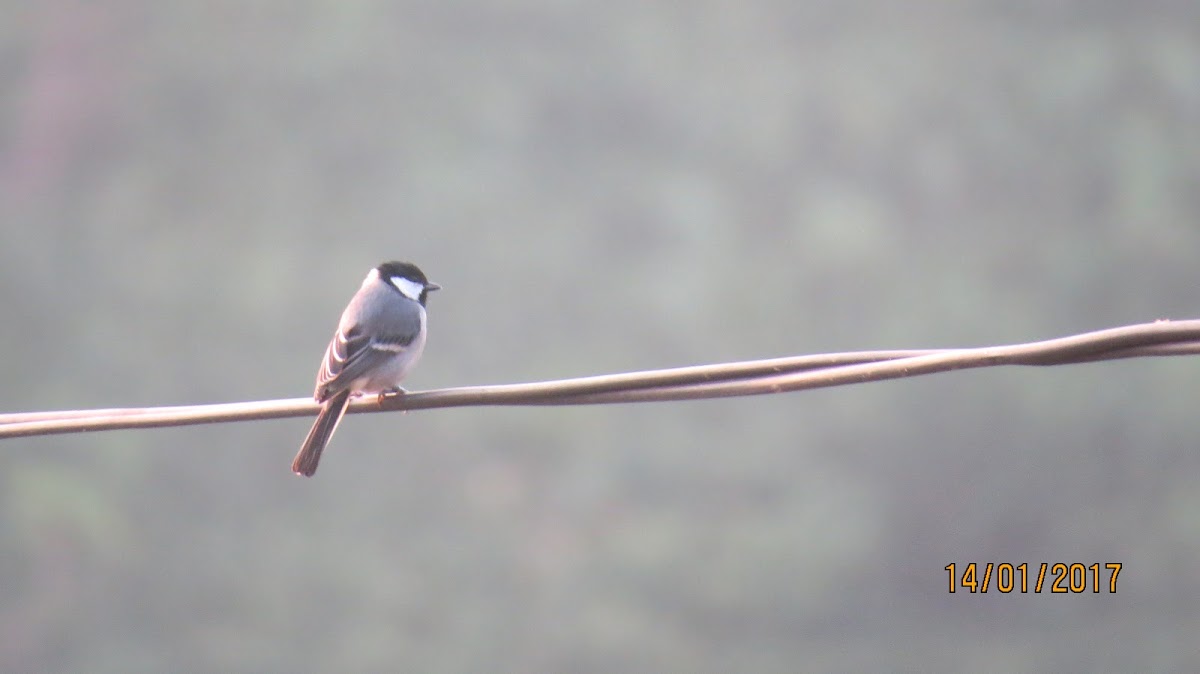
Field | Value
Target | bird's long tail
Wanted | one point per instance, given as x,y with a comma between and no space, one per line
327,421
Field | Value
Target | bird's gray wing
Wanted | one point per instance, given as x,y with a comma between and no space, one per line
373,330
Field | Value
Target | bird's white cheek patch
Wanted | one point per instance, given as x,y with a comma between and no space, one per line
409,287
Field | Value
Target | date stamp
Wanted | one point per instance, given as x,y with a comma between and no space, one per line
1058,578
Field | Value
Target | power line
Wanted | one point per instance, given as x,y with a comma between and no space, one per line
756,377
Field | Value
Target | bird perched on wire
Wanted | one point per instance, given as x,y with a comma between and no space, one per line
379,339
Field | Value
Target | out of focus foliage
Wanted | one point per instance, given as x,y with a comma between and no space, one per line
191,191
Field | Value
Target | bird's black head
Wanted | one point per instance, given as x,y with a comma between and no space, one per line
407,278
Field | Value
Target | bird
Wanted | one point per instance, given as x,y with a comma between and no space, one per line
379,338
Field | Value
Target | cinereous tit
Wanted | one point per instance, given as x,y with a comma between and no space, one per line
379,339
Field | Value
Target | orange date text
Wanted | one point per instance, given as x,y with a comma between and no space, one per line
1057,578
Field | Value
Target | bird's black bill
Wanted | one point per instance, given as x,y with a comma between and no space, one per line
327,422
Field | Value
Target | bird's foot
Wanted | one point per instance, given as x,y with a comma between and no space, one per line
391,393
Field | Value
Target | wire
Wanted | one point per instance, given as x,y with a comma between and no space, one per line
757,377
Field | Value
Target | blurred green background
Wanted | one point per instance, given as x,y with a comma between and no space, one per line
190,192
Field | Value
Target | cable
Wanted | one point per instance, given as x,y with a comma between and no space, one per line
757,377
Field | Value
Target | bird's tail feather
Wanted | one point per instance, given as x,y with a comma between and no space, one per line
327,422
